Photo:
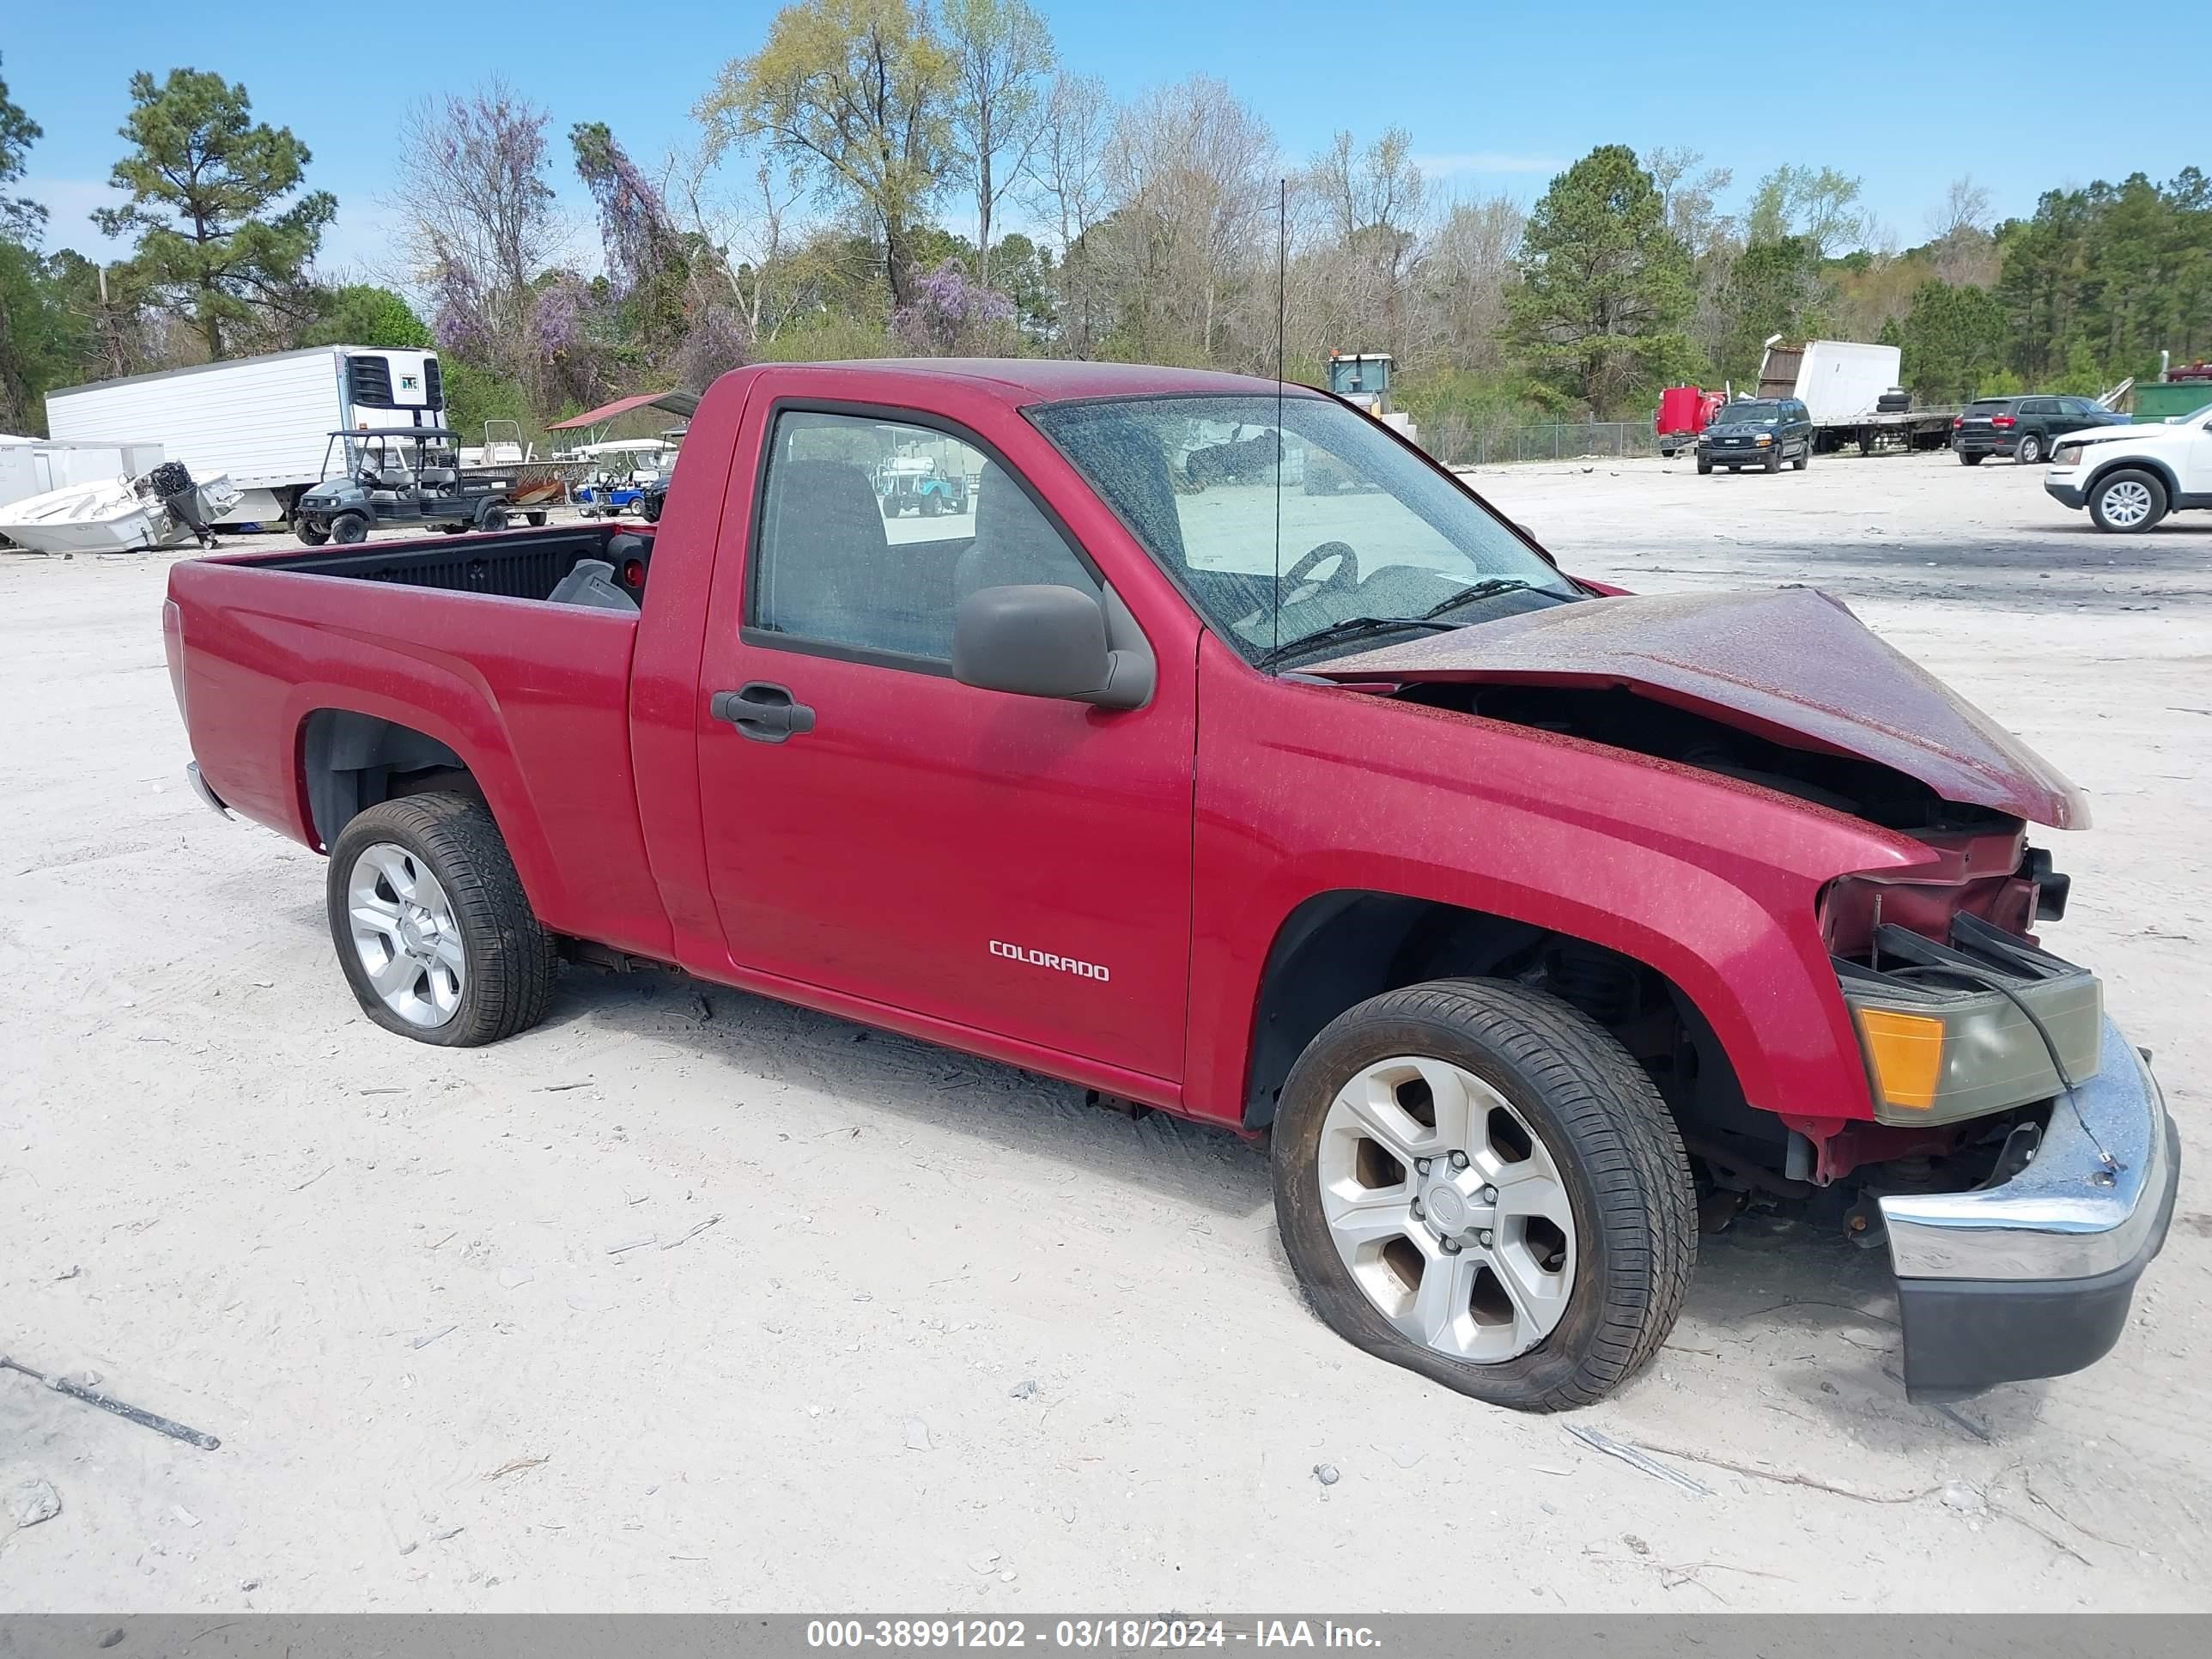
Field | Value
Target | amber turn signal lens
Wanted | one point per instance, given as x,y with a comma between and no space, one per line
1906,1052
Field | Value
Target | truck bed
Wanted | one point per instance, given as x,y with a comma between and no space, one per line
513,564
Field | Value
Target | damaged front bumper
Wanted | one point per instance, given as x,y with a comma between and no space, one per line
2033,1277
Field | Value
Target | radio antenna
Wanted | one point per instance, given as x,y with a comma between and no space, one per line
1282,285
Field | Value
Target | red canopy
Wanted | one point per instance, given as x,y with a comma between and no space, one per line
682,404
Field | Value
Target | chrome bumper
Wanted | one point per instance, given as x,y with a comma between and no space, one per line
2035,1278
2069,1214
203,789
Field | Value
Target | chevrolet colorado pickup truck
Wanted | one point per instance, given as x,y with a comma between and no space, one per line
1529,921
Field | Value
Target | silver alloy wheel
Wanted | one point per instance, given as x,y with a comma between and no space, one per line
406,935
1447,1208
2127,503
2031,450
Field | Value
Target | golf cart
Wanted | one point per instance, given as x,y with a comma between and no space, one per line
399,475
917,482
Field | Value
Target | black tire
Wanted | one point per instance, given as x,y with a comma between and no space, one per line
349,528
1965,459
492,516
1774,458
1804,458
509,957
536,520
313,534
2029,451
891,507
1704,466
1609,1134
2101,502
454,529
1868,441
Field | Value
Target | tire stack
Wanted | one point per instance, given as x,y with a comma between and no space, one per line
1895,401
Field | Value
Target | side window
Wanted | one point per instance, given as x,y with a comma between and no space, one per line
873,530
2040,406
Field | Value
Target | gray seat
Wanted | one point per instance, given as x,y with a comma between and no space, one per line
591,582
438,478
828,573
1125,462
1015,545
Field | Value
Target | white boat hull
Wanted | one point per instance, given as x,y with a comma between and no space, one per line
109,517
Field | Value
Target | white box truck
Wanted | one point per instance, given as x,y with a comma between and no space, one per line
264,421
1841,383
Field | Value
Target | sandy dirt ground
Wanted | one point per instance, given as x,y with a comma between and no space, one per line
691,1301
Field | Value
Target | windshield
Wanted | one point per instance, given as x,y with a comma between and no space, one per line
1748,411
1366,531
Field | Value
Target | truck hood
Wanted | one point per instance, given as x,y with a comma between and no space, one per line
1793,666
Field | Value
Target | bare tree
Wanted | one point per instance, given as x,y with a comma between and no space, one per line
1191,174
480,220
1469,262
1368,205
1964,207
1067,187
1691,198
1001,53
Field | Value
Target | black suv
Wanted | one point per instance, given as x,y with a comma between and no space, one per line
2025,428
1757,432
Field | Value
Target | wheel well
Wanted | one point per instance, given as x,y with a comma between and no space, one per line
2139,463
349,761
1340,948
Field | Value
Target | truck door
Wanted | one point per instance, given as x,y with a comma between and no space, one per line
1018,865
2195,462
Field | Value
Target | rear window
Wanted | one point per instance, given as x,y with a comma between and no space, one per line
1990,406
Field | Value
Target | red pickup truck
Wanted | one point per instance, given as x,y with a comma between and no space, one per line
1534,922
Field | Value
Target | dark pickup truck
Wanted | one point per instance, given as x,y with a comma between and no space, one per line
1527,919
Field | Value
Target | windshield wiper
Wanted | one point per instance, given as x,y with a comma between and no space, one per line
1487,590
1347,628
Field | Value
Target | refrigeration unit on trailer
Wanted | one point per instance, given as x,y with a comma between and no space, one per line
264,421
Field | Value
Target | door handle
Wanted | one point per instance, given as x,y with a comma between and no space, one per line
762,711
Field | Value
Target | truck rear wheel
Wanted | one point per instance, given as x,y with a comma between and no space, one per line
348,528
1474,1181
433,929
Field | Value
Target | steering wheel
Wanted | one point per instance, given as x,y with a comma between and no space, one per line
1345,576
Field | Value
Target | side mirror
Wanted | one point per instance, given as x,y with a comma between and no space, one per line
1045,641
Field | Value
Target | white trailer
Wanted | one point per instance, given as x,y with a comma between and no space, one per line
264,421
1841,383
32,466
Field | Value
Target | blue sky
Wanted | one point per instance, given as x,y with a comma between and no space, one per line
1496,96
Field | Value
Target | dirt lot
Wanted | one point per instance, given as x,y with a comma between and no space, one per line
408,1290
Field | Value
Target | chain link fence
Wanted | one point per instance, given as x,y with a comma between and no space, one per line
1457,442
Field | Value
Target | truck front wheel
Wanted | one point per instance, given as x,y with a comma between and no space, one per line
432,926
313,534
1474,1181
